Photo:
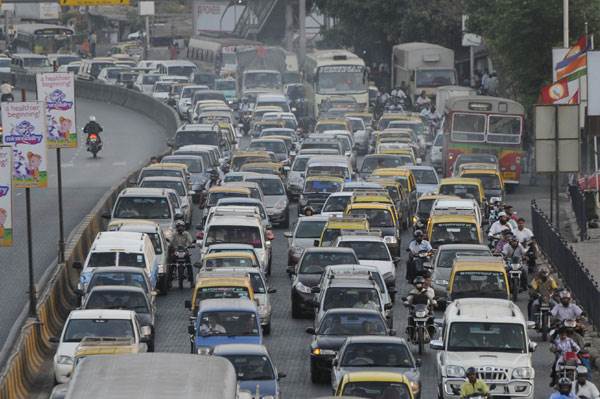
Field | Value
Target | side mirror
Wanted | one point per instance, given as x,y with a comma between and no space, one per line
272,290
200,235
178,214
531,324
191,330
437,344
334,362
418,362
77,265
197,265
146,331
268,244
281,375
270,235
287,234
170,143
153,293
388,306
419,161
310,330
532,346
316,243
188,304
79,292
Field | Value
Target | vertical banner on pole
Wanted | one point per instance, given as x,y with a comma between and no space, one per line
24,126
6,168
57,90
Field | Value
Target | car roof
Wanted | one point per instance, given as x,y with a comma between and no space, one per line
375,339
241,304
462,246
102,314
352,311
240,349
163,178
261,176
121,288
350,281
144,192
479,309
329,250
119,269
313,218
352,237
234,221
358,376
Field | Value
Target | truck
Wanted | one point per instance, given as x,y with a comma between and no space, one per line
422,66
260,70
491,336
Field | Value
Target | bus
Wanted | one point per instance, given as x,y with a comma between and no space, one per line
217,53
485,125
45,39
331,73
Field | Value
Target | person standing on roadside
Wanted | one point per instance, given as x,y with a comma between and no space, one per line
93,40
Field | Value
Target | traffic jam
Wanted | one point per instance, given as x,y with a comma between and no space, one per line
372,230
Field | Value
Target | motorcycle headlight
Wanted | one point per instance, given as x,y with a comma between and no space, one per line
302,288
65,360
204,350
441,282
390,240
455,371
523,372
421,313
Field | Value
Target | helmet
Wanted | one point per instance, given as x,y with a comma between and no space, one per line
501,213
419,280
564,382
582,370
471,370
92,118
564,294
179,223
418,233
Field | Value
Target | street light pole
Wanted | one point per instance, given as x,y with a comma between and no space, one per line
302,30
566,23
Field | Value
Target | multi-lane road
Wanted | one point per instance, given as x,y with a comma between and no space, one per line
129,140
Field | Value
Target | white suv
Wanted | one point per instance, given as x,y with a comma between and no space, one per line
491,336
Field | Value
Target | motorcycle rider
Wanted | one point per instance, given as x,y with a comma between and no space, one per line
525,236
92,127
541,288
505,237
563,390
561,345
474,386
414,247
513,249
499,225
566,310
181,238
582,388
421,294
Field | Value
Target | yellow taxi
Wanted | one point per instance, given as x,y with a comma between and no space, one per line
464,187
240,158
488,174
271,168
380,197
259,126
93,346
453,229
219,287
215,193
424,205
397,149
336,224
405,177
386,118
367,117
217,260
375,384
478,277
399,196
179,169
382,217
332,124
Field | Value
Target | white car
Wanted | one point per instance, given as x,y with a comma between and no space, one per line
336,203
94,323
436,151
179,186
110,75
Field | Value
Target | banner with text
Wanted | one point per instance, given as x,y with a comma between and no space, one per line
24,128
6,196
57,90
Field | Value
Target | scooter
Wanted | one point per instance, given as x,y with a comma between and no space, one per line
420,313
542,318
515,270
94,145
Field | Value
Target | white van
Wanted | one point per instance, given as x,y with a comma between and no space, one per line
177,68
90,68
273,100
120,248
30,63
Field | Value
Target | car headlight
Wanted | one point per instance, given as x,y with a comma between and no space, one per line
263,310
302,288
65,360
281,205
415,387
523,372
441,282
455,371
323,352
204,350
390,240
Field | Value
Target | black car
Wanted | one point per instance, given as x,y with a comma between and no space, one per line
331,333
307,274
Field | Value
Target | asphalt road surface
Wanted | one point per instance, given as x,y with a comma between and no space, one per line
129,140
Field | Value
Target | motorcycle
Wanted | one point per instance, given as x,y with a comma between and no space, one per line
531,254
542,318
94,145
420,315
515,270
421,262
182,262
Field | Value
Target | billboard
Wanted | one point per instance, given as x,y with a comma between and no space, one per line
57,90
24,128
216,16
6,233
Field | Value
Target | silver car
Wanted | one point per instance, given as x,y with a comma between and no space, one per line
305,232
275,198
179,186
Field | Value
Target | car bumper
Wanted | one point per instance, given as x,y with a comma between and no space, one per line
277,216
510,389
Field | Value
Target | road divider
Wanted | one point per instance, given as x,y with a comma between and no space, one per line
25,354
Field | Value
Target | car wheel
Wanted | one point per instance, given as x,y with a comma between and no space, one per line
267,329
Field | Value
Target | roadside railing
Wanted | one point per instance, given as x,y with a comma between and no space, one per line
565,260
579,208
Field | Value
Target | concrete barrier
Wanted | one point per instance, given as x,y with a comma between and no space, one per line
23,355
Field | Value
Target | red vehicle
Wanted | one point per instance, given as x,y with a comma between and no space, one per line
485,125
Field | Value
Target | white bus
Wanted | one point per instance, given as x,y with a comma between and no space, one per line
216,54
331,73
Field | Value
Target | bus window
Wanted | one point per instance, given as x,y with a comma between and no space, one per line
468,127
504,129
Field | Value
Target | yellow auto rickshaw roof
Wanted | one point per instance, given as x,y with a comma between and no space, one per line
359,114
479,263
435,196
229,255
106,350
332,121
483,171
229,189
239,154
263,165
376,376
362,198
479,165
399,171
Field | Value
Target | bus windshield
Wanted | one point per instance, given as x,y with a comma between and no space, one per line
256,80
435,77
341,79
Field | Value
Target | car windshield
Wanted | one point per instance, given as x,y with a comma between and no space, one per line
310,229
323,127
376,217
238,162
371,163
113,73
255,80
181,70
118,278
322,145
424,207
368,250
357,124
234,235
337,203
377,390
230,323
189,138
105,299
163,87
270,186
106,259
486,337
435,77
251,367
376,355
329,170
454,233
476,158
194,165
425,176
348,297
278,147
214,197
228,262
300,164
35,62
341,79
445,258
173,185
150,79
322,186
465,191
315,262
142,208
77,329
489,181
221,292
479,284
352,324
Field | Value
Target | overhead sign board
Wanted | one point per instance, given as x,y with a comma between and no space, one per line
548,118
93,2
